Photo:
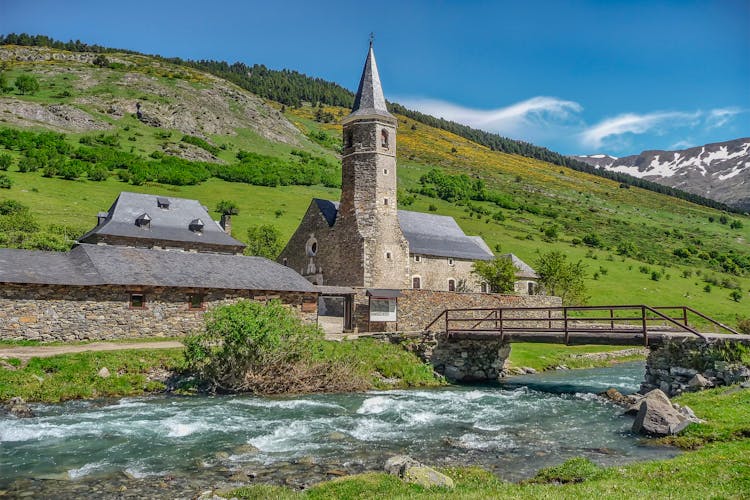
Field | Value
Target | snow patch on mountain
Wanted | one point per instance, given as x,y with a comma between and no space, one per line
720,171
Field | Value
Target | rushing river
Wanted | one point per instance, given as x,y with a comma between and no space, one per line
184,443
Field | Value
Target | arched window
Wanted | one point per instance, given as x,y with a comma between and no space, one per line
451,285
416,282
384,138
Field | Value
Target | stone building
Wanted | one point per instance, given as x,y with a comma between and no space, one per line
364,240
149,221
112,292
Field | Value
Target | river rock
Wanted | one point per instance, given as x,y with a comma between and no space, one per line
613,395
245,449
528,370
414,472
104,372
657,417
699,382
18,408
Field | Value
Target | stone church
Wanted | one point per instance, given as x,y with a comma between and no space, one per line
365,240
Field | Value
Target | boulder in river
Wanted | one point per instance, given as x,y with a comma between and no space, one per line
414,472
658,417
18,408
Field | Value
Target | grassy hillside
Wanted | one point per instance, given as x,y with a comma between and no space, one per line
632,233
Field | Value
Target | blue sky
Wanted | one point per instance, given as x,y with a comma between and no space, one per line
576,76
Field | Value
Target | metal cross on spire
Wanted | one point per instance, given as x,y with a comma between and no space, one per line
372,38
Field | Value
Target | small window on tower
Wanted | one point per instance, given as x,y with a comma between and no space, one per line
385,201
388,255
385,171
384,138
349,139
416,282
451,285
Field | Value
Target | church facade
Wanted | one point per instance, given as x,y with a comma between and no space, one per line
364,240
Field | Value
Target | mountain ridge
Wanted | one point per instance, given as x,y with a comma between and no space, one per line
718,170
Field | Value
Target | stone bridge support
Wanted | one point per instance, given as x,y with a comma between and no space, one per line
460,360
677,366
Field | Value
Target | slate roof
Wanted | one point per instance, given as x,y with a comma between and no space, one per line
427,234
172,224
524,270
115,265
370,99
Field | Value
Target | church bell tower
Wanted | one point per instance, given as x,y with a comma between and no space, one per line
368,185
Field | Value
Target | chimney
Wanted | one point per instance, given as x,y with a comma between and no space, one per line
226,223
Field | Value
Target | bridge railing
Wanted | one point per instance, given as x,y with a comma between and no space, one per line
621,319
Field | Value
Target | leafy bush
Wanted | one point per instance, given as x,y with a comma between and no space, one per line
27,84
227,207
8,207
5,161
201,143
559,277
592,240
5,182
263,241
743,325
263,348
499,273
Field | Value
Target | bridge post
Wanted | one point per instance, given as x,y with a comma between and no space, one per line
677,366
464,360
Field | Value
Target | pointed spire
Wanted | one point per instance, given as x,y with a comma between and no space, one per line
370,99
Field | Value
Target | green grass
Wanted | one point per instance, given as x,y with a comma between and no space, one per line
720,469
75,376
377,361
545,356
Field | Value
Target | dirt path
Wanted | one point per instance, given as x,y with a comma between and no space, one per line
28,352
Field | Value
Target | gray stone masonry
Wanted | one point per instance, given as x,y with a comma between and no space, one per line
61,313
417,308
691,365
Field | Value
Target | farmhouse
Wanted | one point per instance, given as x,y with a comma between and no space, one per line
149,221
111,292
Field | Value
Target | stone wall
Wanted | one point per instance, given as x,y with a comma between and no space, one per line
60,313
417,308
690,365
338,259
434,272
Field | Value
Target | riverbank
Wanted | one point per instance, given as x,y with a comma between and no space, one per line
718,466
40,373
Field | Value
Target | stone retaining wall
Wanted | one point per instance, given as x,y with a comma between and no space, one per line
417,308
691,365
59,313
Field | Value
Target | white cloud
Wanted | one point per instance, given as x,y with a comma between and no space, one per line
631,123
683,144
721,116
526,119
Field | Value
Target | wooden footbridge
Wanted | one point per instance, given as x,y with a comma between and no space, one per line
615,325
